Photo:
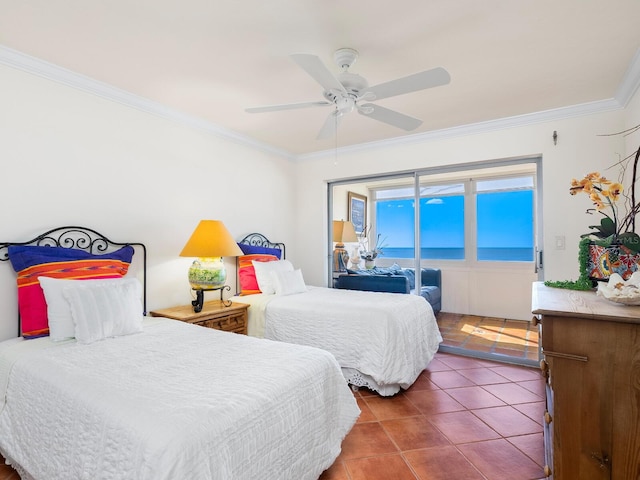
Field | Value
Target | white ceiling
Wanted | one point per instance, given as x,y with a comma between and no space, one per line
212,59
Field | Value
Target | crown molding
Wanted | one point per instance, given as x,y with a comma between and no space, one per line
630,81
13,58
476,128
625,91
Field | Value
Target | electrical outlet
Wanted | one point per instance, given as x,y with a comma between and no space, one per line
560,242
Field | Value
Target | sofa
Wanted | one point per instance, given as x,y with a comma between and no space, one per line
395,279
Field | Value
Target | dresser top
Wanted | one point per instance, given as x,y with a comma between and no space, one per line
563,302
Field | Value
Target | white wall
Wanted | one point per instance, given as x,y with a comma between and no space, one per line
579,150
69,157
72,158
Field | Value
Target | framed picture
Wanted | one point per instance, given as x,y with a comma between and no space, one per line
358,212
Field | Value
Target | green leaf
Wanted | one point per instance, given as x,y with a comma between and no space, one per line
608,226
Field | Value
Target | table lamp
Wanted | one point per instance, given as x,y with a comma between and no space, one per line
342,232
209,242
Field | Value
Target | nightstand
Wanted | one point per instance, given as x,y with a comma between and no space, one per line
213,315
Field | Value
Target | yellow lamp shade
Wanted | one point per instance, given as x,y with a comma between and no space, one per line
211,239
209,242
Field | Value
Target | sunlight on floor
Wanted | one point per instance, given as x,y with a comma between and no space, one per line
500,336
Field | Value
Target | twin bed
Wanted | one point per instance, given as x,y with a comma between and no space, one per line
97,390
151,398
382,341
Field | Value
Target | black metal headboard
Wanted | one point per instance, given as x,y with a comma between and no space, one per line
81,238
259,240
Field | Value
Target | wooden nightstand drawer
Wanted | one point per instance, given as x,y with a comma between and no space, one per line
213,315
230,323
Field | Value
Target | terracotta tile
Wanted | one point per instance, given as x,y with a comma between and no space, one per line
531,445
442,463
385,408
480,347
482,376
337,471
414,433
366,415
463,427
459,362
518,374
535,410
449,379
431,402
387,467
365,392
512,393
474,397
423,382
436,365
535,386
507,421
366,440
500,460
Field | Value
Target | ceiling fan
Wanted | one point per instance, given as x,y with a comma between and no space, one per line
349,91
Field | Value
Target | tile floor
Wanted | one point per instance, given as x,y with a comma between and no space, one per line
492,337
463,419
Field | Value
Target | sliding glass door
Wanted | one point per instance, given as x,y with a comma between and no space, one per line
480,226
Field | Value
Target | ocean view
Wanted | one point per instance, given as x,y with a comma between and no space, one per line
484,254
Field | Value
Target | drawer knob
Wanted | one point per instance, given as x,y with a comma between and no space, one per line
544,366
547,471
535,320
547,418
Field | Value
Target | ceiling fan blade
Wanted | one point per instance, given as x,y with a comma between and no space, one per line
330,125
287,106
391,117
318,71
418,81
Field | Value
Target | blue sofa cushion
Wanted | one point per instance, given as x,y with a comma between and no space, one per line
374,283
388,271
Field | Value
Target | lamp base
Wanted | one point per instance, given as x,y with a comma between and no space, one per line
199,301
340,258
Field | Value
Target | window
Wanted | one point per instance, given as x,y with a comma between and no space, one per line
442,222
503,220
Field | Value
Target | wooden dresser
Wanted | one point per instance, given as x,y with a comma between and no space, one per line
213,315
591,359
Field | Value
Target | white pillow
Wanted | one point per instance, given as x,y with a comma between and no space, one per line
61,325
103,311
288,283
263,273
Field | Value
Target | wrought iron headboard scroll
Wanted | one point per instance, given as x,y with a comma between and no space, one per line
81,238
259,240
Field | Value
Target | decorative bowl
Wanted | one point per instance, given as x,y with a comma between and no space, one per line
626,292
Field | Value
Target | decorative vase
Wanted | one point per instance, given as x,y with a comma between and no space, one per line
207,274
369,264
603,261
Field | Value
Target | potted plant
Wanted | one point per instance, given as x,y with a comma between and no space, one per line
369,255
612,246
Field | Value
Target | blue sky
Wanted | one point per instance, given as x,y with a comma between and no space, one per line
505,219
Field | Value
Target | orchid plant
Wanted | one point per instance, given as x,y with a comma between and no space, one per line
368,253
614,228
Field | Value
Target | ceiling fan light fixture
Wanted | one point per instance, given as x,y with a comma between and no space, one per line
347,91
345,104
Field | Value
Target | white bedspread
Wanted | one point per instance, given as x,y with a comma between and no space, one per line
389,337
175,402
